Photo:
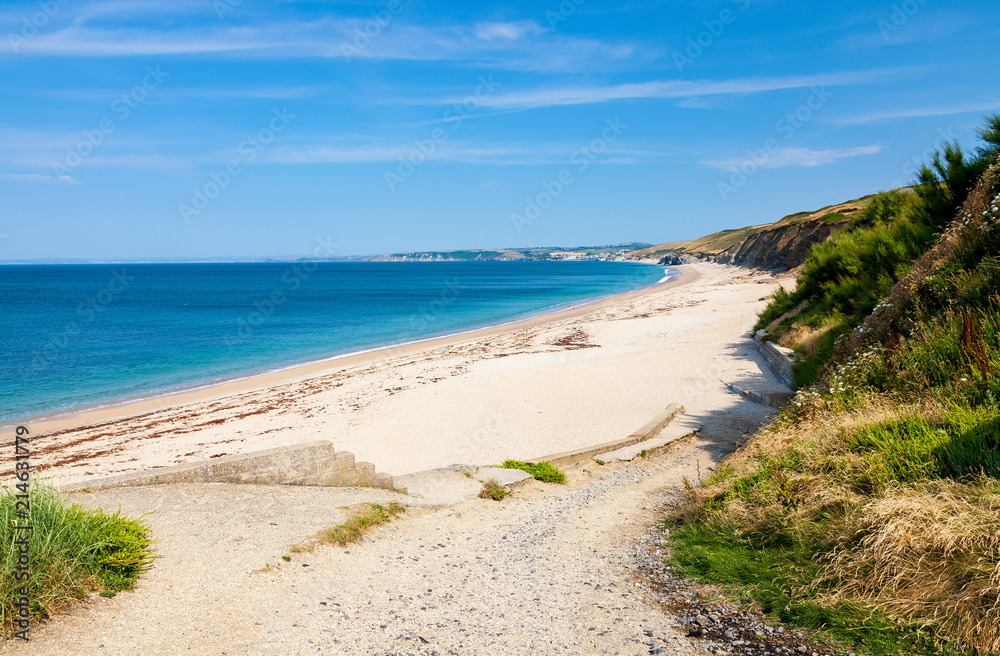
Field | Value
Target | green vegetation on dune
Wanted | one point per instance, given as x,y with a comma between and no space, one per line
844,278
542,471
73,551
868,509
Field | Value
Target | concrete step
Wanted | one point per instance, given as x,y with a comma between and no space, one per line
682,426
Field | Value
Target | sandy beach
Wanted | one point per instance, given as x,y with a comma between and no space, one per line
552,569
544,385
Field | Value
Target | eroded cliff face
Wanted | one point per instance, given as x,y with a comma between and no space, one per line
782,247
779,248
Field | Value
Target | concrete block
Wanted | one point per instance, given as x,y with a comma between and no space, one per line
383,482
227,466
505,477
440,486
681,427
182,474
272,458
312,463
256,477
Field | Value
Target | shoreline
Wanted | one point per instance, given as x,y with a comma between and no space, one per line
548,384
91,416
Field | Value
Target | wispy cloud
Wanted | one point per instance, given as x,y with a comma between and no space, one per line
522,45
917,112
507,31
498,155
550,97
798,157
920,28
37,178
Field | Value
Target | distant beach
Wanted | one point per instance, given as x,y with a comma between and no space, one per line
538,386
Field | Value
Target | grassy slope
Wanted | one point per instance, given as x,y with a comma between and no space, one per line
869,509
717,242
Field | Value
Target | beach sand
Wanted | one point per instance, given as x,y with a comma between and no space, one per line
549,384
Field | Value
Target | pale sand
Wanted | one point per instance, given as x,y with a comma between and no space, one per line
550,384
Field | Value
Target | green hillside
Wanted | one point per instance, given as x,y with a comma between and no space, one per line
718,242
868,509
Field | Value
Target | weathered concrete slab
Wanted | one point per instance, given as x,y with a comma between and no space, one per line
440,486
681,427
648,429
312,463
505,477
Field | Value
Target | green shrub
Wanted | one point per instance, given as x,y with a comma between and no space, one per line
73,551
542,471
781,302
493,490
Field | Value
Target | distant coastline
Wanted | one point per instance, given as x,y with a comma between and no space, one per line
156,397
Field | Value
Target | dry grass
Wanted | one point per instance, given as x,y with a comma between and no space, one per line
806,339
930,552
493,490
927,552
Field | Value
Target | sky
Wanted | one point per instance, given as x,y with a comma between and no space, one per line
185,129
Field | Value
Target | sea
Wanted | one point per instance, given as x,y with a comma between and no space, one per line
83,336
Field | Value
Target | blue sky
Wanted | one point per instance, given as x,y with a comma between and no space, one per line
134,129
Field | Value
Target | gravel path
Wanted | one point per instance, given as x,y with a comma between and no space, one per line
549,570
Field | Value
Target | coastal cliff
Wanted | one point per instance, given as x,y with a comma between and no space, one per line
784,247
781,245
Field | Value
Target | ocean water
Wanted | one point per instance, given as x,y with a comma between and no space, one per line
73,336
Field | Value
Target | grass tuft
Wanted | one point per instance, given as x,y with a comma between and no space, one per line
493,490
354,529
542,471
73,551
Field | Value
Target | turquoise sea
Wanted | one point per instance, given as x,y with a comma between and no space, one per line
73,336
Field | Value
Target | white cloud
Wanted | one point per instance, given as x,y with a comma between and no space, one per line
505,155
805,157
671,89
917,112
507,31
39,179
516,46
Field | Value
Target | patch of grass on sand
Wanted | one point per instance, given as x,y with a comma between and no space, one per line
542,471
493,490
73,551
354,529
783,583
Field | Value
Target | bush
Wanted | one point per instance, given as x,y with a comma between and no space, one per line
73,551
493,490
542,471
